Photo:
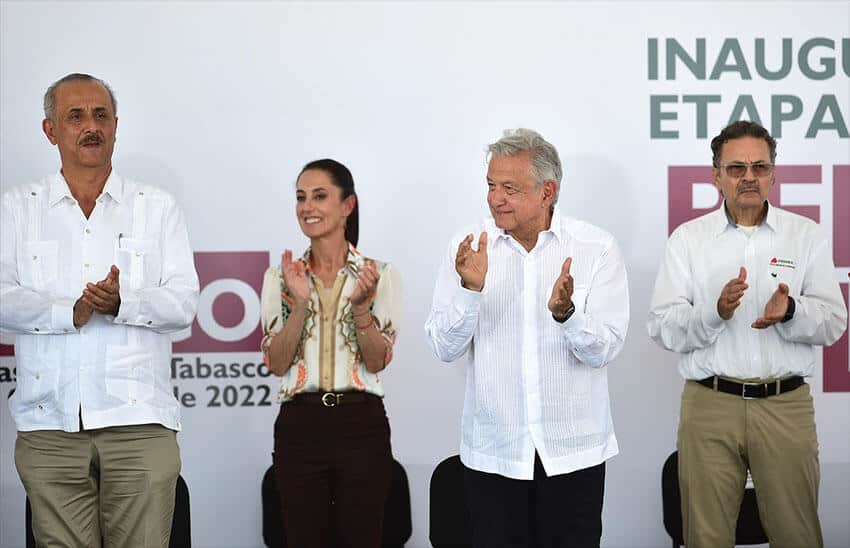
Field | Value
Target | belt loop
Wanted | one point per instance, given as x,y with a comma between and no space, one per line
715,382
778,387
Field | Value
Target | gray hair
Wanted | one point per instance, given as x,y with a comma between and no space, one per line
545,163
50,94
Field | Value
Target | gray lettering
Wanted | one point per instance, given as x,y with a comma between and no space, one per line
675,51
730,47
701,102
761,63
828,63
656,116
745,103
827,103
778,115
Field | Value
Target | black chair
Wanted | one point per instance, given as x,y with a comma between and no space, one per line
181,526
748,530
397,521
449,521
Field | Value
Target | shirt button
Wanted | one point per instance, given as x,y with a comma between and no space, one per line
37,376
133,401
35,329
88,231
35,257
33,194
87,265
150,322
41,407
141,193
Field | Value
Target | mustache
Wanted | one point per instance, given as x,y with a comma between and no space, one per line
745,187
91,138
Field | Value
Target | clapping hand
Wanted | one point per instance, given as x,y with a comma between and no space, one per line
775,308
562,291
367,281
471,265
104,296
295,278
730,297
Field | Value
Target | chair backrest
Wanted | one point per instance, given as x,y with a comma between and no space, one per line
181,523
398,525
449,520
748,530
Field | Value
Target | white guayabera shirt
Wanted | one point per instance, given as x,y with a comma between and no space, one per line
533,383
113,370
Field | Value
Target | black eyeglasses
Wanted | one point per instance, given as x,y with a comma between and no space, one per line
737,170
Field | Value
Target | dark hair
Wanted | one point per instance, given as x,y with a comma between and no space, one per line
736,130
341,177
50,94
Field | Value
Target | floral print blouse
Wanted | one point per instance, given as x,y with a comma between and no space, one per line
328,357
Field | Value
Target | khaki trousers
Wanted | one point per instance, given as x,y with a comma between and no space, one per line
112,483
720,437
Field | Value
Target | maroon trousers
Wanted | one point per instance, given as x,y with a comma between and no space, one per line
333,467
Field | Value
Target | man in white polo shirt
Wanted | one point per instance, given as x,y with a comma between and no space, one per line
746,294
95,272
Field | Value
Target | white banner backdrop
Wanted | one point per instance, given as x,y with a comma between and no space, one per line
222,104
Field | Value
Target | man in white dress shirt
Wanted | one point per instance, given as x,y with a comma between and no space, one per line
95,272
745,294
539,303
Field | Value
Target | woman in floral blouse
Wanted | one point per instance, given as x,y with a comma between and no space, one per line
329,323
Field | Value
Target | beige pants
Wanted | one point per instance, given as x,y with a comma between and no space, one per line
720,437
112,483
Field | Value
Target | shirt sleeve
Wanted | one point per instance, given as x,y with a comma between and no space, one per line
387,307
454,312
597,329
22,309
169,305
820,316
271,316
674,321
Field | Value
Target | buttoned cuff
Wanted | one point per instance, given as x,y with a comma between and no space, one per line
62,316
128,311
575,323
466,299
711,318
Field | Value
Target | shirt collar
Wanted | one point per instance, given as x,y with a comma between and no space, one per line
496,233
60,190
114,187
724,220
353,262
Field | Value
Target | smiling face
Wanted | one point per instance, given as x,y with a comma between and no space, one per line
83,125
746,194
519,206
320,208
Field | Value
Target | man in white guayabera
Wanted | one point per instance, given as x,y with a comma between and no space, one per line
539,303
95,272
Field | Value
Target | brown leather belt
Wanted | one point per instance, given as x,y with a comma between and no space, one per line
753,390
333,399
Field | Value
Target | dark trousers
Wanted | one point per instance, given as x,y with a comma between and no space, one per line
563,511
333,467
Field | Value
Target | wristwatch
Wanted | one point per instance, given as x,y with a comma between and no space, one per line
792,306
568,314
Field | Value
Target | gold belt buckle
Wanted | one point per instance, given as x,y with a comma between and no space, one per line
331,399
